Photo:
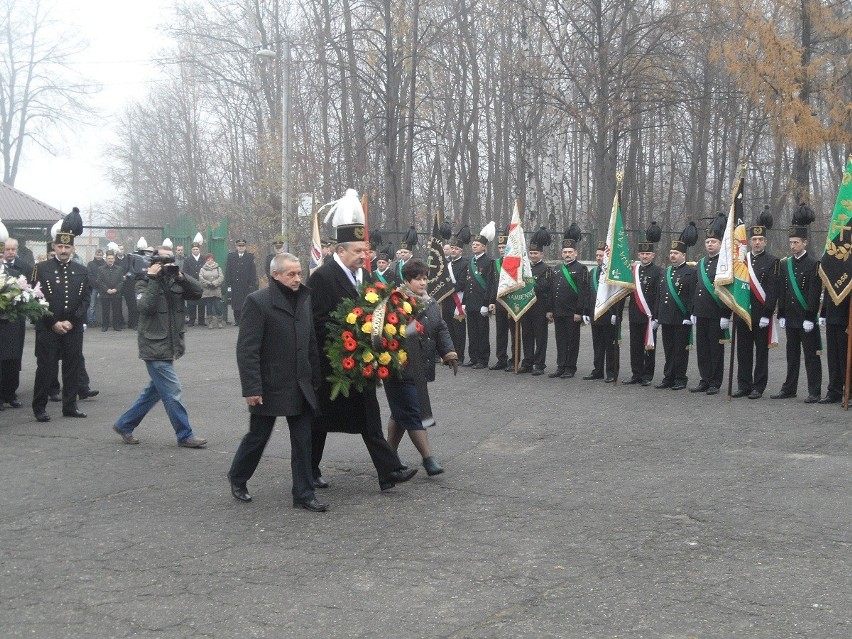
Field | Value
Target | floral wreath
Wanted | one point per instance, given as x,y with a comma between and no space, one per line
366,338
19,299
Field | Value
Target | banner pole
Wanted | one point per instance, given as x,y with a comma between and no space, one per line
848,359
731,365
517,344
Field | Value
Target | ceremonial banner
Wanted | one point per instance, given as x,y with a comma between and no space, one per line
732,275
441,284
316,245
516,286
835,267
617,281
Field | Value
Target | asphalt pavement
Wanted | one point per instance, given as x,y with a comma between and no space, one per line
569,508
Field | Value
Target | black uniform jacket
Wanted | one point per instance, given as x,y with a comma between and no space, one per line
683,280
66,288
806,272
649,280
564,302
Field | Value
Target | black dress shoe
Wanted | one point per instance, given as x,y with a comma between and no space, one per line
397,477
566,375
497,367
42,416
782,395
713,390
828,399
678,386
646,382
537,371
14,403
632,380
510,368
593,376
664,385
701,388
55,398
812,399
87,394
240,491
524,369
557,373
468,364
741,393
313,506
320,482
609,380
73,413
755,394
478,366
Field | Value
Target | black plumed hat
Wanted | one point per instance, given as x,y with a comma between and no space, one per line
540,239
410,240
572,236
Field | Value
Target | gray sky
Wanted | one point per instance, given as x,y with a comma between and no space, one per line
123,39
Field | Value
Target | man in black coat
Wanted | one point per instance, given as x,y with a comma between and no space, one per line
109,281
605,328
480,297
835,318
359,413
753,343
534,329
278,360
452,306
643,302
799,291
677,286
12,333
240,278
568,301
93,267
192,265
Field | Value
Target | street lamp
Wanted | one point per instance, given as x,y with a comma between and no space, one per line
268,54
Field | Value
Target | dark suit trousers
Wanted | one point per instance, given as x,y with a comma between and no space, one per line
128,292
384,457
836,345
534,337
251,449
675,348
605,350
797,342
478,328
195,310
111,305
752,351
505,327
10,379
458,333
49,349
642,362
708,350
567,343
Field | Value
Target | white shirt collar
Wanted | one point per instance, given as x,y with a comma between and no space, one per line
356,278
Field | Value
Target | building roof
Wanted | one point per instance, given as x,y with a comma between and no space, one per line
17,206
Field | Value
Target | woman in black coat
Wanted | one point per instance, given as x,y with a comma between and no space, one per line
426,337
278,360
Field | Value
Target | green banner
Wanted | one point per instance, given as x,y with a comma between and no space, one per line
519,301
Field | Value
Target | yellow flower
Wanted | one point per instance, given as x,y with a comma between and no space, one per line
402,330
367,357
406,306
351,318
367,327
384,358
390,329
403,356
371,297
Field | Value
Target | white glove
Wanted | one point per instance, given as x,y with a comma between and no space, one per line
764,322
586,319
483,310
693,319
808,326
464,309
822,322
654,325
687,322
782,322
724,323
612,320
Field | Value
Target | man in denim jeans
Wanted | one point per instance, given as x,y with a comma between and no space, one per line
160,296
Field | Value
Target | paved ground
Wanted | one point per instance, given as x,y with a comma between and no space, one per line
569,509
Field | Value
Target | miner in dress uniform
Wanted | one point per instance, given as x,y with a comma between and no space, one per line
534,321
753,343
504,324
480,297
677,287
568,304
643,303
605,328
452,306
66,288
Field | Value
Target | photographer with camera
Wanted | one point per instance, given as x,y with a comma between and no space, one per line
160,295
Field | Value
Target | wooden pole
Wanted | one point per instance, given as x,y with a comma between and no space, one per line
848,358
731,365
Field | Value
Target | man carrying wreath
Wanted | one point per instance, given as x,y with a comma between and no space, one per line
358,413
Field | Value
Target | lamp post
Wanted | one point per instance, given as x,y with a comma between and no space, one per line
284,59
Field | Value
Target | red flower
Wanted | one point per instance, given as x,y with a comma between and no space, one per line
380,286
368,318
369,290
395,297
350,345
347,335
394,345
384,342
358,311
348,363
383,372
419,327
392,319
368,371
400,311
